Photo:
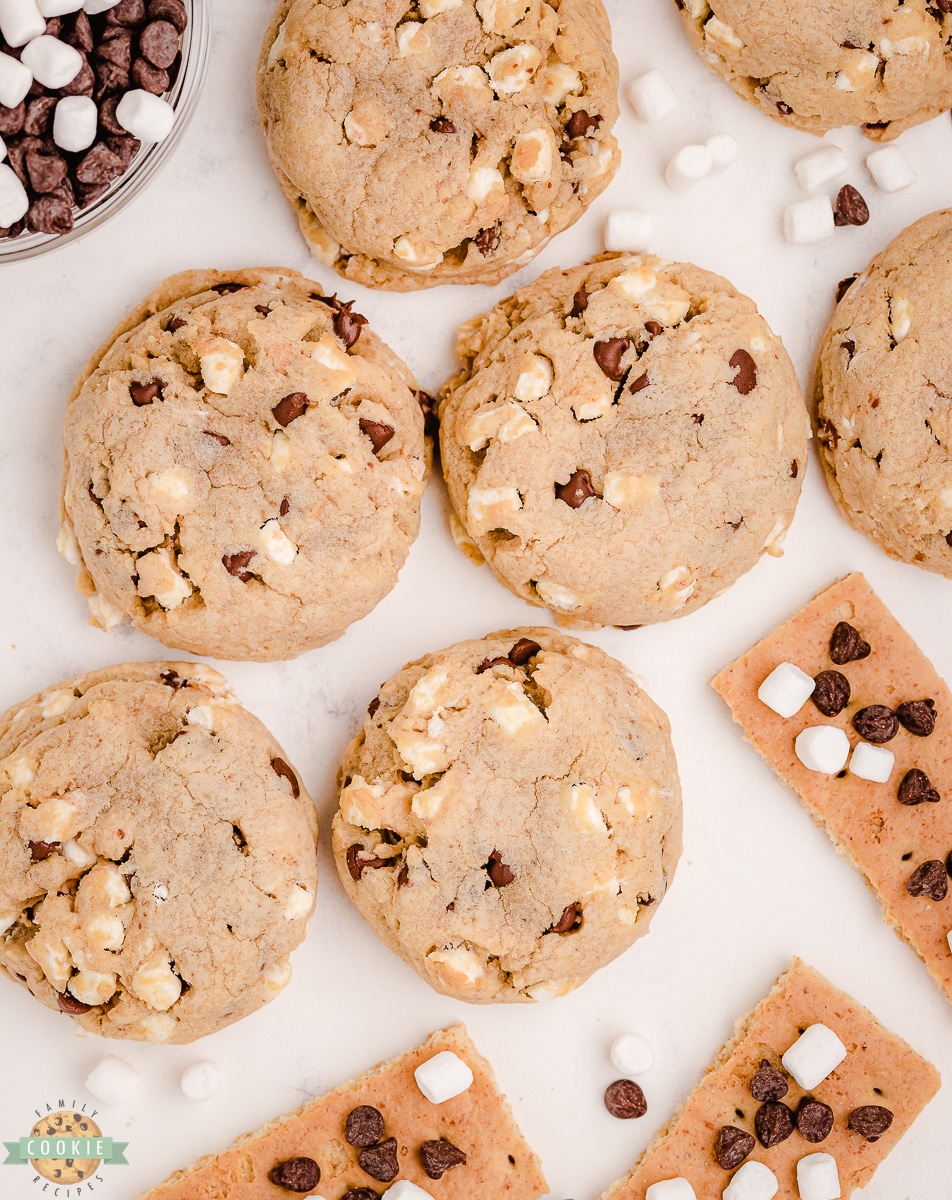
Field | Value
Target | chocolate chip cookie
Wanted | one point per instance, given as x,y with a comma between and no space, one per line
624,440
438,141
510,815
885,65
235,447
158,852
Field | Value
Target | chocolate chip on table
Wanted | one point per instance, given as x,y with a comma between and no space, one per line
732,1146
159,43
579,302
364,1126
237,564
831,692
814,1120
42,850
523,650
143,393
929,879
768,1083
625,1099
296,1175
918,716
357,865
442,125
69,1004
380,1162
871,1121
580,124
570,919
283,769
916,788
850,208
438,1157
577,490
773,1123
378,433
290,407
608,355
499,874
746,378
846,644
876,723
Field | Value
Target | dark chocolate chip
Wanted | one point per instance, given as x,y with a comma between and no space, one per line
143,393
499,874
285,506
289,408
654,329
69,1004
175,324
846,645
580,124
876,723
84,83
831,692
850,208
46,171
814,1120
640,383
237,564
732,1146
625,1099
172,11
487,663
794,469
579,302
916,788
438,1157
577,490
39,115
523,650
159,43
944,5
151,79
116,48
361,1193
110,79
373,706
357,866
296,1175
127,12
608,355
124,147
378,433
918,716
51,214
570,919
487,240
99,165
80,33
929,879
442,125
845,284
871,1121
768,1083
173,680
217,437
41,850
12,119
347,324
773,1123
746,378
364,1126
429,407
280,767
380,1162
403,876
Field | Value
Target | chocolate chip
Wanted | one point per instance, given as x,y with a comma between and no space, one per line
228,289
285,506
654,329
176,324
746,378
80,33
846,645
280,767
625,1099
429,407
768,1083
608,355
732,1146
357,866
124,148
499,874
850,208
127,12
361,1193
236,564
929,879
380,1162
794,469
116,47
41,850
145,392
46,171
488,239
845,284
159,43
151,79
12,119
876,723
296,1175
580,124
640,383
577,490
442,125
918,716
172,11
814,1120
289,408
916,788
364,1126
39,115
439,1157
378,433
831,692
579,302
944,5
773,1123
373,706
217,437
110,79
100,165
173,680
347,324
403,876
871,1121
499,661
570,919
69,1004
523,650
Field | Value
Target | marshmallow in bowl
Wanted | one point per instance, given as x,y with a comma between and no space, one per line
148,118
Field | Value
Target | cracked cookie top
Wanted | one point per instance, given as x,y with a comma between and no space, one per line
818,64
624,440
510,815
158,851
884,389
438,141
231,452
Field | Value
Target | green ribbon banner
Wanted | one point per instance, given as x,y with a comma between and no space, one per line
59,1148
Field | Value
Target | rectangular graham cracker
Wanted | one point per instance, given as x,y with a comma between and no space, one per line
479,1122
878,1069
885,840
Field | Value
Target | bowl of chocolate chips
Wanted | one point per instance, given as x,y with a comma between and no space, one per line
94,95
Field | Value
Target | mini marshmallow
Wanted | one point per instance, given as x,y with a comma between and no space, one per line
3,155
815,1053
631,1054
112,1080
948,938
75,120
723,148
13,198
201,1081
890,169
823,748
58,8
99,6
809,221
753,1181
148,118
20,22
819,167
53,63
403,1189
688,167
651,96
443,1076
15,80
786,689
627,229
872,762
817,1178
671,1189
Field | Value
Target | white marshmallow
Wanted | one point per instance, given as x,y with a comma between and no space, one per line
443,1076
948,938
20,21
809,221
75,121
13,198
753,1181
688,167
671,1189
627,229
651,96
53,63
112,1080
403,1189
724,150
890,169
201,1081
15,80
815,1053
817,1178
872,762
148,118
819,167
786,689
823,748
99,6
58,8
631,1054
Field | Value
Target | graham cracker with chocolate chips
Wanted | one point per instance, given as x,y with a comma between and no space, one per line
886,840
879,1070
498,1161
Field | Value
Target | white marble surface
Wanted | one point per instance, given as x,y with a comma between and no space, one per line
758,882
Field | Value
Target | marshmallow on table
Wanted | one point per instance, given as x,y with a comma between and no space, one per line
58,8
890,169
688,167
15,80
403,1189
14,201
148,118
627,229
201,1081
872,762
20,21
809,221
671,1189
631,1054
53,63
75,121
815,1053
817,1178
443,1076
112,1080
819,167
753,1181
651,96
723,149
823,748
786,689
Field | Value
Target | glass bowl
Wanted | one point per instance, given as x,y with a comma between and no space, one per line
183,96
